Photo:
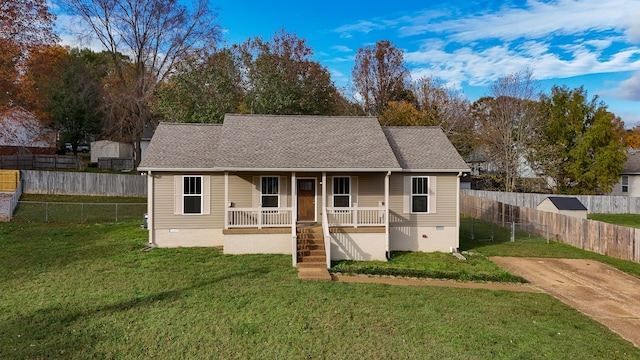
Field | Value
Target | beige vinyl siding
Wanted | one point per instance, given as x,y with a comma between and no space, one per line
444,203
164,204
367,188
244,189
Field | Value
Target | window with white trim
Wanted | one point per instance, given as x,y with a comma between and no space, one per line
270,195
625,183
420,194
341,191
192,194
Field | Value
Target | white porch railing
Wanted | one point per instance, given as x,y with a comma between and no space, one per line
356,216
258,217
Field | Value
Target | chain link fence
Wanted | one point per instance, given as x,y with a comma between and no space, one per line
501,228
67,212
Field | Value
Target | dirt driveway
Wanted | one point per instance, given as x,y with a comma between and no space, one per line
595,289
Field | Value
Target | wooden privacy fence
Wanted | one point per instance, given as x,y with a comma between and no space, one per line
33,162
116,164
596,204
607,239
80,183
9,180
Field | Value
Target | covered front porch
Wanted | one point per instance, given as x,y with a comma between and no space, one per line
286,205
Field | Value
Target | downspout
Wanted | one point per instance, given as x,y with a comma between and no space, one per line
386,216
150,215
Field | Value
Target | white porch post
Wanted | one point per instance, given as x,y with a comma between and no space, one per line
324,192
226,200
294,216
386,213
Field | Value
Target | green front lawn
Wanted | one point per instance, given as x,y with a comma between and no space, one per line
76,291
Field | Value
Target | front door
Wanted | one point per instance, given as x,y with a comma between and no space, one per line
306,199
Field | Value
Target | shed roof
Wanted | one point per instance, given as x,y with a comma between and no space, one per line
567,203
304,143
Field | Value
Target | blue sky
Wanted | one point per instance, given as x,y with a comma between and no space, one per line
467,44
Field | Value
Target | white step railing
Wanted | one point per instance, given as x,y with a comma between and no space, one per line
356,216
258,217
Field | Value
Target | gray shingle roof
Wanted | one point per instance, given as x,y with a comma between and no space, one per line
567,203
182,146
424,148
273,142
632,165
304,142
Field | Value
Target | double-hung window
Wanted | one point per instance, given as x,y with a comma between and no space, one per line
270,191
420,194
341,191
625,183
192,195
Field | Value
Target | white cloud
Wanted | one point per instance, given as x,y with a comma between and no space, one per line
536,20
342,48
630,88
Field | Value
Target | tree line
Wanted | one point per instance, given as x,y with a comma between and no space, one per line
162,61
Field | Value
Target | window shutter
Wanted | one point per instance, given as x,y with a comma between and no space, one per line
282,187
354,190
432,194
255,192
206,195
406,208
177,194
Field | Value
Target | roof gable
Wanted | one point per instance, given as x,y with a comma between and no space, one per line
22,128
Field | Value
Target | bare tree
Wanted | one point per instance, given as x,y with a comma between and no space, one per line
506,123
380,76
154,35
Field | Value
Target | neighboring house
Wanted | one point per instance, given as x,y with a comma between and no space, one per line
259,184
145,139
570,206
22,133
110,149
629,184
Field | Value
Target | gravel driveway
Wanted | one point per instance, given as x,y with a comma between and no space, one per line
600,291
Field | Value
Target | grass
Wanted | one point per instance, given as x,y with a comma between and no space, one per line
78,291
79,209
430,265
478,267
630,220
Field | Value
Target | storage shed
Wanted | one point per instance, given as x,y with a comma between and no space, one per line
570,206
110,149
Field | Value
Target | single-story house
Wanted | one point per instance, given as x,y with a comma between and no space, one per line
629,184
22,133
279,184
570,206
